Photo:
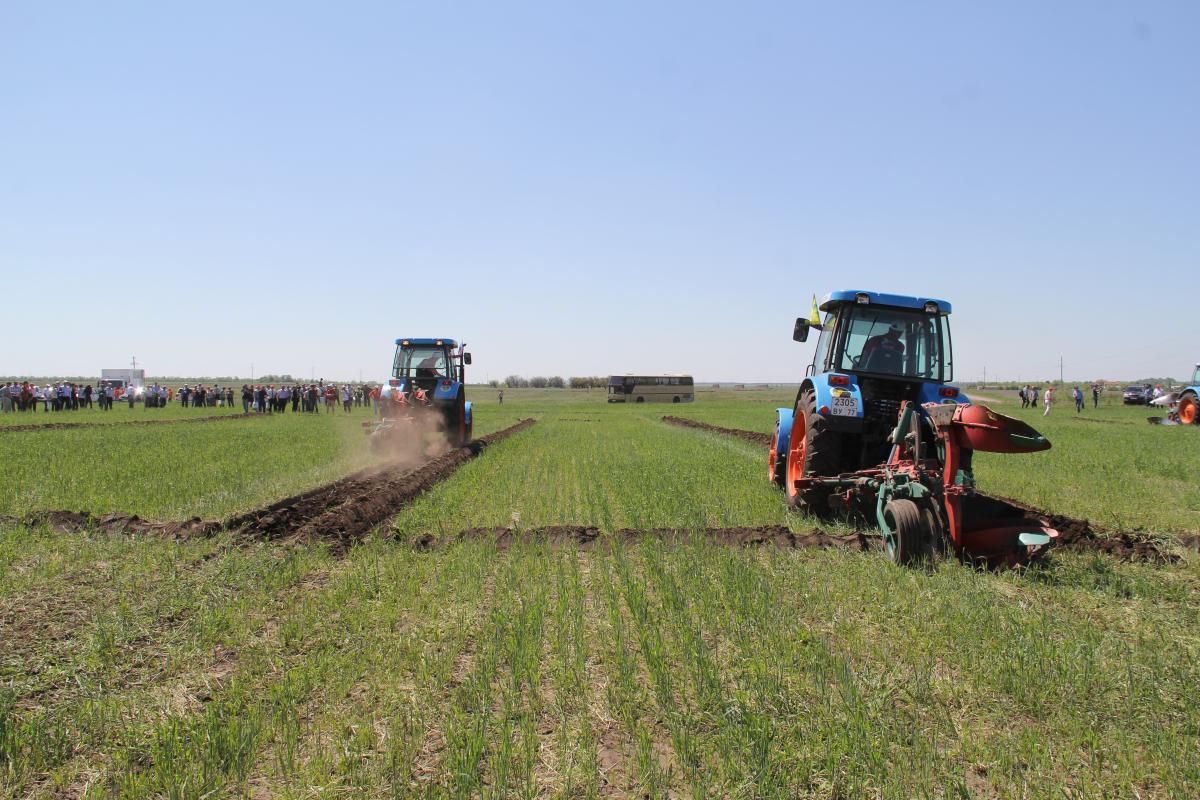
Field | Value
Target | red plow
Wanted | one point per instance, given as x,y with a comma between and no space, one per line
924,498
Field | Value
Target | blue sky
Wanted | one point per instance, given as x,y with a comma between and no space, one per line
592,188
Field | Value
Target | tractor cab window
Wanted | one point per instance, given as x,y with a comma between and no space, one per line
422,363
1196,376
822,354
888,341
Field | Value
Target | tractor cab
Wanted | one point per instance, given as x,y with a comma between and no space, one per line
426,364
865,334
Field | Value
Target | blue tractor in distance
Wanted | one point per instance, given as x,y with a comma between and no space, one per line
879,433
426,393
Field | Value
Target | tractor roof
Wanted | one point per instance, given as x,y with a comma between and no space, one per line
833,299
428,342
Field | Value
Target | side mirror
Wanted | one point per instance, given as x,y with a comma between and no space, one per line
467,359
800,332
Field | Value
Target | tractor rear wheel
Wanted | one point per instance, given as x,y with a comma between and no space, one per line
456,422
1189,409
906,542
812,452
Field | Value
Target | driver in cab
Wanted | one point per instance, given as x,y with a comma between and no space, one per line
883,353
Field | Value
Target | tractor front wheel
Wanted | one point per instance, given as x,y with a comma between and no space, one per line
812,452
776,460
1189,409
906,539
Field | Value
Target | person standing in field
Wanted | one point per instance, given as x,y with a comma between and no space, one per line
500,397
1095,395
1048,399
1077,395
347,398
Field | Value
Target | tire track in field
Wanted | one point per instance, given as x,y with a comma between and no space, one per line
133,423
585,537
343,511
750,436
1074,534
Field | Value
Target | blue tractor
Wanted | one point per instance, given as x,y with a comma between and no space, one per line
428,386
875,351
879,433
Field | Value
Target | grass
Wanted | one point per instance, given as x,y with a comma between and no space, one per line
181,471
136,667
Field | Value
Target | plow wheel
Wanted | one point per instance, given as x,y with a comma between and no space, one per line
1189,409
812,451
935,543
906,541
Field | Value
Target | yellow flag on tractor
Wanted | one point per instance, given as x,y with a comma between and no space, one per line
814,319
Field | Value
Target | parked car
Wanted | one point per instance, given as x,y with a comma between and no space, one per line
1137,395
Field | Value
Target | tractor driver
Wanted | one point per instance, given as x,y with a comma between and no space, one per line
883,353
428,368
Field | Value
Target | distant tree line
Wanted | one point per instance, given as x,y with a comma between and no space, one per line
551,382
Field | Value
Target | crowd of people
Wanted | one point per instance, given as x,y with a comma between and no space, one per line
1030,394
307,398
62,396
18,396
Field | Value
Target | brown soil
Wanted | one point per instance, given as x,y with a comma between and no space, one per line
585,536
343,511
1074,534
750,436
1078,535
348,509
132,423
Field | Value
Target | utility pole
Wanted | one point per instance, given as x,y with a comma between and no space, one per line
985,376
252,372
1060,369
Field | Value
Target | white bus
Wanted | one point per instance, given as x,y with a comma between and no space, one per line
650,389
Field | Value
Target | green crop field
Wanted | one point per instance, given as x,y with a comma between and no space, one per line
228,666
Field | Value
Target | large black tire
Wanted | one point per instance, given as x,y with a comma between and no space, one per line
907,545
456,422
936,545
815,453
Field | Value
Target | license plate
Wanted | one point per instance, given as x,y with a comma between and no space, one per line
843,407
